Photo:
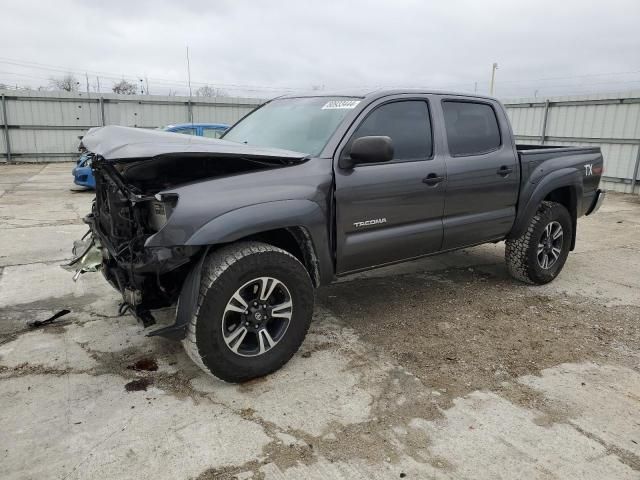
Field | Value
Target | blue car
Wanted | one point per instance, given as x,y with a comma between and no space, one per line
83,176
210,130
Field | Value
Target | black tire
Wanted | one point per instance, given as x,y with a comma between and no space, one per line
522,254
227,270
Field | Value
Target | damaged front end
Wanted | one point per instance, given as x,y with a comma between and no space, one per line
141,231
120,222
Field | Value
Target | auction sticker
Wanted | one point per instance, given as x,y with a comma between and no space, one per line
340,104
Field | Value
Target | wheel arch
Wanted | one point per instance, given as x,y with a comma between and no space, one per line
562,186
298,242
567,196
297,226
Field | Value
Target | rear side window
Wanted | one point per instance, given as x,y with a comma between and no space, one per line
186,131
472,128
406,123
212,132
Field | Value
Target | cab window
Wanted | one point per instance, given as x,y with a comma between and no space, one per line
472,128
408,125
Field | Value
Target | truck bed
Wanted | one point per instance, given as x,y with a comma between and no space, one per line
584,163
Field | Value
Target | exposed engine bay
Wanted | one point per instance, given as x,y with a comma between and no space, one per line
128,210
137,172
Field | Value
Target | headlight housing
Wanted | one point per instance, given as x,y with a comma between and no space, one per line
160,209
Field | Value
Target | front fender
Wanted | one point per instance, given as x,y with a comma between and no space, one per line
253,219
534,193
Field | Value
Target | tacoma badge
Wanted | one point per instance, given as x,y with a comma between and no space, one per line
367,223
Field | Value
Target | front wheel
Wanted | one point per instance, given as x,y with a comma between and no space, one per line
539,254
254,310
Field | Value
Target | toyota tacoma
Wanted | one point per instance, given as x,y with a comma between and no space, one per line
237,232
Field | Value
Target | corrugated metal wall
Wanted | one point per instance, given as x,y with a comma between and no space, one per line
44,126
611,121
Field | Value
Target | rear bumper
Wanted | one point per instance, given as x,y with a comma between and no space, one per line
597,201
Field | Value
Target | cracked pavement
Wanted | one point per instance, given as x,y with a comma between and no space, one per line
442,368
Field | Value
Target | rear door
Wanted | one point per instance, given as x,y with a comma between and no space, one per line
482,172
388,212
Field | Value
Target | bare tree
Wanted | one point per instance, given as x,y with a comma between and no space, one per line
207,91
125,88
67,83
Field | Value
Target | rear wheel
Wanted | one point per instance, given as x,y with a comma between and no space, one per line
253,312
540,253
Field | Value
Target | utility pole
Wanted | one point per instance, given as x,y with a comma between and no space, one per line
475,87
98,83
146,81
189,78
86,76
494,67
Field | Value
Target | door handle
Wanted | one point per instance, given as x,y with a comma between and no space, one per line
432,179
503,171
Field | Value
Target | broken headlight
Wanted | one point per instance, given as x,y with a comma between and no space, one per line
160,210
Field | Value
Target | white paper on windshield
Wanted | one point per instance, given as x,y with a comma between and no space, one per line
340,104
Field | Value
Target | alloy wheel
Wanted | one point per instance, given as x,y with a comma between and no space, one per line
550,245
257,316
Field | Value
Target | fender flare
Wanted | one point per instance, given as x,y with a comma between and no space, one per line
186,304
262,217
535,193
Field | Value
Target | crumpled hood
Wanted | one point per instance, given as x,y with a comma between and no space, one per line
119,143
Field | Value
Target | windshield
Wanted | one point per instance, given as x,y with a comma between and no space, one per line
299,124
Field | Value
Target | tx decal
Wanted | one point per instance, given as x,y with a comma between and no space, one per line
588,169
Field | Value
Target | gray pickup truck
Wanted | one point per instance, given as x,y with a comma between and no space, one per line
237,232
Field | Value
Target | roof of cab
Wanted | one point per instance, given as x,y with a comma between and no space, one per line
381,92
205,125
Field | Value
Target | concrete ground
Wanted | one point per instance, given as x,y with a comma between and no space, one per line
442,368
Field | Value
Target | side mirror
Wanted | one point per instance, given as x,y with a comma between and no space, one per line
373,149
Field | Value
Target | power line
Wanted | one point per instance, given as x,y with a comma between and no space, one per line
60,69
503,85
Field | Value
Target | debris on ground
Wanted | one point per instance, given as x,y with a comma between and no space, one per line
51,319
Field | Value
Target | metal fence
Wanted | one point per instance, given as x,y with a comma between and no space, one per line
610,121
44,126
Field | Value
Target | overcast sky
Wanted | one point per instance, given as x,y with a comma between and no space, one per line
264,47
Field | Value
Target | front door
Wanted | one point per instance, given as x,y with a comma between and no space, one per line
391,211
